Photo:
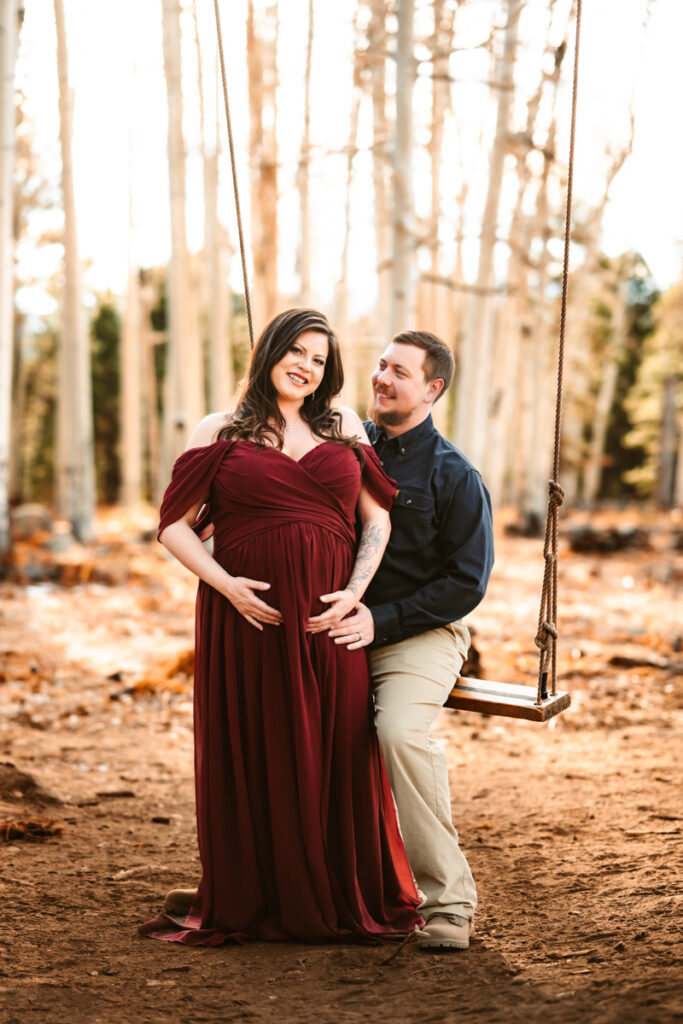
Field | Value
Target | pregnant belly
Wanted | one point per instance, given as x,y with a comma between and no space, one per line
301,562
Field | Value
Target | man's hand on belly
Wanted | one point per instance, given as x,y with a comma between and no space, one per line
360,624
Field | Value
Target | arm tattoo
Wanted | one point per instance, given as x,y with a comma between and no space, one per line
370,549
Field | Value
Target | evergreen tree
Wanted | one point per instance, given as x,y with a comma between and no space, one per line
105,354
655,402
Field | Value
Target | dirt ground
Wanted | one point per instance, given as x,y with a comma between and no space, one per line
573,829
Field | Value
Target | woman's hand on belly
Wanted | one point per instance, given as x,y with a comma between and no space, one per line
341,602
240,593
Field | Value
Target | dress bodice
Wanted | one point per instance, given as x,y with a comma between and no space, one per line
251,489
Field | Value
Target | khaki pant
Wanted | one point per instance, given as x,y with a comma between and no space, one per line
411,681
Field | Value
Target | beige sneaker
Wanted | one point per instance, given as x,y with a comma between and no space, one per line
446,931
179,901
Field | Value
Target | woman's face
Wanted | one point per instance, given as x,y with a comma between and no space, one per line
301,370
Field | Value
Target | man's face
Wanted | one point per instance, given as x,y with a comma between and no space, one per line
400,394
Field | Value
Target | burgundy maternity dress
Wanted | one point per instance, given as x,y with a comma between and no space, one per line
298,836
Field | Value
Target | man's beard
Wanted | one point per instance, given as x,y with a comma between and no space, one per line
388,418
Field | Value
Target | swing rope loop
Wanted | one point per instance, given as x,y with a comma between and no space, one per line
243,255
546,634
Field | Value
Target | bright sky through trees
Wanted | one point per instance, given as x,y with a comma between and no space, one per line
120,125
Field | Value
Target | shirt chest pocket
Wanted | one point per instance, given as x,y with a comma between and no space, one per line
413,516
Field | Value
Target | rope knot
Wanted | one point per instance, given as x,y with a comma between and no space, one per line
545,631
556,492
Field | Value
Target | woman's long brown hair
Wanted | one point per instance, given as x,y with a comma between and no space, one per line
256,416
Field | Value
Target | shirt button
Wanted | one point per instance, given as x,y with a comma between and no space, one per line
409,501
403,451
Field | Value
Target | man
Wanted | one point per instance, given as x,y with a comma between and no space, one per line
434,572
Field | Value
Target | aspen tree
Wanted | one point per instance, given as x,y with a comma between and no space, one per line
262,37
75,469
432,295
403,268
215,289
377,44
348,339
303,174
9,29
578,360
477,348
183,390
512,395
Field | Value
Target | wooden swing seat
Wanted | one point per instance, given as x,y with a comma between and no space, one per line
505,699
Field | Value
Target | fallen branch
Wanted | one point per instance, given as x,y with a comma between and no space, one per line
34,830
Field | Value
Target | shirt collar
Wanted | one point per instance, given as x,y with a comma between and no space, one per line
413,436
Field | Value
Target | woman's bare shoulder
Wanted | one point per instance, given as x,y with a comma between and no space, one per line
352,425
206,430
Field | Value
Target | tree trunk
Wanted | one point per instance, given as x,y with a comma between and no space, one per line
76,478
436,297
347,338
377,43
9,30
216,286
132,376
605,399
477,350
667,444
578,362
678,484
221,373
184,399
304,174
512,404
148,298
262,71
403,270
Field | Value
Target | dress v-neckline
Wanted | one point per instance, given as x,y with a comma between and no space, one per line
290,457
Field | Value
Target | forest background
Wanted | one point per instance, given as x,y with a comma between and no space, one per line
400,163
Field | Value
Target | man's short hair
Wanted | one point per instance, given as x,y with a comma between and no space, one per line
438,360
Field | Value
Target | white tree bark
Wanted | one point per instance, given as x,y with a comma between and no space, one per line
377,43
221,377
184,400
215,292
304,174
262,35
347,338
512,397
578,364
9,30
434,297
75,477
666,482
403,271
477,348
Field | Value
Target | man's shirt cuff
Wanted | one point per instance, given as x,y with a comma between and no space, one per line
387,624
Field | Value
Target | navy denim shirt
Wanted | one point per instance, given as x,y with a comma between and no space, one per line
440,552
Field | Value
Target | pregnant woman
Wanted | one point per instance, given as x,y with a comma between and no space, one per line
298,836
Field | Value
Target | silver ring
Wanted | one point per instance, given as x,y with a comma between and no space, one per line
360,637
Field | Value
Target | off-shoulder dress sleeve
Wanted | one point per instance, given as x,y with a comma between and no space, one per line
193,473
382,488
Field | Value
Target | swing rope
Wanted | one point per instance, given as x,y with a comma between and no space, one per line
546,634
243,255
